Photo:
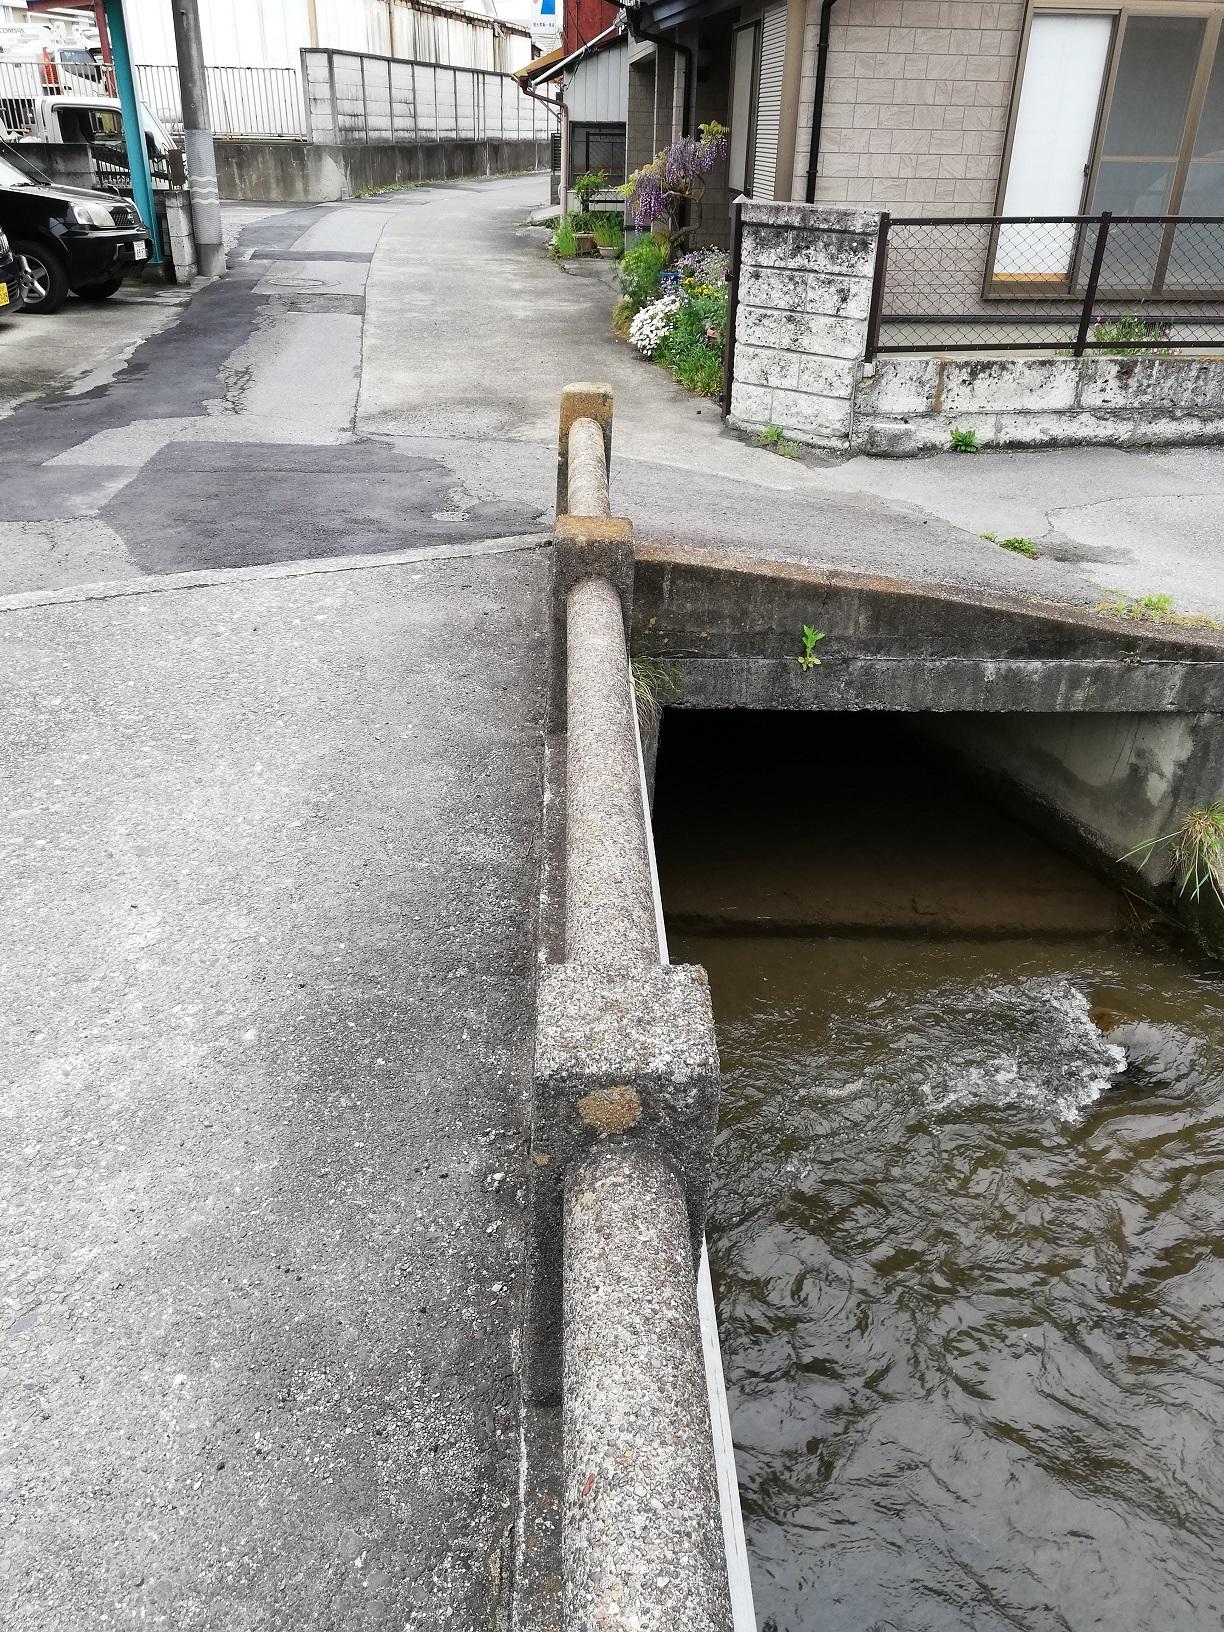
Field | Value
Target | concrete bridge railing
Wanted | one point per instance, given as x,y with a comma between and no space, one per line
624,1115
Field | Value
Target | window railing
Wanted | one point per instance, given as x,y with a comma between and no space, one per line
1069,283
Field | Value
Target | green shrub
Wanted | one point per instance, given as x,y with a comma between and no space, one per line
588,184
640,270
1129,336
701,321
964,441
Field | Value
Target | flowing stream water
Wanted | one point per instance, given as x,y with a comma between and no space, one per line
967,1234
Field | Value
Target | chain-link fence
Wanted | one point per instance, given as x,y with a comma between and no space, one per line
1051,283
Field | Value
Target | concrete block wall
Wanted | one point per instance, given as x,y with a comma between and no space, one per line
801,319
916,103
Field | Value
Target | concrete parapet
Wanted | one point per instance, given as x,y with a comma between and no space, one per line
623,1057
586,400
251,169
588,542
642,1541
609,909
624,1113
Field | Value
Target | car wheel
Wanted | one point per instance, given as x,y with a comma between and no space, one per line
99,291
45,281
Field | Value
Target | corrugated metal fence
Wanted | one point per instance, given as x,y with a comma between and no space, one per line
354,98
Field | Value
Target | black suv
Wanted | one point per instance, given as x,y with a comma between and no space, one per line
70,238
11,281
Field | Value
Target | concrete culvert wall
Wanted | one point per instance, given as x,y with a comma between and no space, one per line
1111,728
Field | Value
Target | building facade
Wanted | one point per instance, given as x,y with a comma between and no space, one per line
936,107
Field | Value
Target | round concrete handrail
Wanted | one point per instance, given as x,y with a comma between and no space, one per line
609,908
642,1537
588,470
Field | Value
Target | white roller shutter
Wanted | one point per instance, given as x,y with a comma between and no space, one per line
769,101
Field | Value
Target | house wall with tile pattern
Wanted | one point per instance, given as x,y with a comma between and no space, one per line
916,103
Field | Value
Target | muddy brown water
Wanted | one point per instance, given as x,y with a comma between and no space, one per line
968,1247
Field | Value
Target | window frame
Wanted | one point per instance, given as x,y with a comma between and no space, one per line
1212,13
754,88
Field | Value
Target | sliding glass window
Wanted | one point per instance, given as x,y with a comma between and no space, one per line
1119,109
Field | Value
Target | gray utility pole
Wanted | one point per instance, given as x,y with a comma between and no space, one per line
197,139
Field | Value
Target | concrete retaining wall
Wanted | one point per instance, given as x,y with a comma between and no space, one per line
801,332
911,404
320,173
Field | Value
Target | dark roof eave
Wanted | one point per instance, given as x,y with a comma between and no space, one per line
662,15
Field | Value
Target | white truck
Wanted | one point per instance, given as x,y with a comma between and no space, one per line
96,121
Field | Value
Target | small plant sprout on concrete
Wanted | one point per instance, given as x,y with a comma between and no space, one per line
1198,851
1154,609
808,659
1018,546
773,437
964,441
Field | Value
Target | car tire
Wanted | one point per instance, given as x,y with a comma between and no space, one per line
46,280
99,291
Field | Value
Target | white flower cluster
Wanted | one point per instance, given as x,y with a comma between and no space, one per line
649,328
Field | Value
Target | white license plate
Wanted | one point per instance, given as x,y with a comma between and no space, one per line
141,251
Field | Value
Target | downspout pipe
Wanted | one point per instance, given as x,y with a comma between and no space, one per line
632,15
818,98
555,105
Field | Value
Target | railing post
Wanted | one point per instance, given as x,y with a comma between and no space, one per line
877,289
1094,277
737,245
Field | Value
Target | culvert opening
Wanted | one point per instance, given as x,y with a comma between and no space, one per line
835,823
966,1190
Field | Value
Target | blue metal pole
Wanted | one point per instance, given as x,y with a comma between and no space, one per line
133,130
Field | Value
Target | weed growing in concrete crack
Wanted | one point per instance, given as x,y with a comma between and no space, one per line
653,682
1154,609
1198,851
1019,546
808,659
964,441
773,437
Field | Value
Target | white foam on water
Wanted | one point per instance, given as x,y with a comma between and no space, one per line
1032,1043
